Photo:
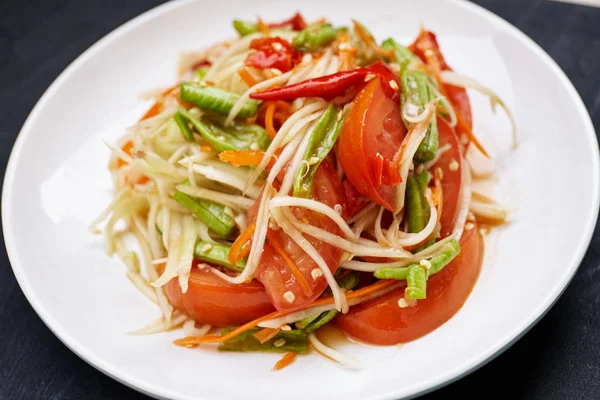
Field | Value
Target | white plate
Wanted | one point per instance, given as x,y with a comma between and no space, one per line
56,182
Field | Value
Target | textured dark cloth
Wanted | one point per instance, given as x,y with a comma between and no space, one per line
558,359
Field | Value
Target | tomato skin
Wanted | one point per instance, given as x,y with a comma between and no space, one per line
371,135
457,96
381,321
452,177
274,273
211,300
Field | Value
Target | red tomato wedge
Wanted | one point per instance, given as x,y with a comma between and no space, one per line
457,96
383,322
211,300
451,166
275,273
369,141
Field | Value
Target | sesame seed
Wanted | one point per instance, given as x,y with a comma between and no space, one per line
429,52
316,273
469,226
277,46
279,342
221,138
206,248
425,263
313,160
345,46
454,165
338,209
273,225
307,58
286,328
254,146
368,77
394,85
470,216
464,138
275,71
289,296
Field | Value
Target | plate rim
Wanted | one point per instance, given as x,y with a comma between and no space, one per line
451,375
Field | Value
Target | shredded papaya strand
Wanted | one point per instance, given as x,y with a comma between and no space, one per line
239,246
247,76
269,119
193,341
263,28
206,148
459,119
239,158
286,360
370,41
266,334
278,248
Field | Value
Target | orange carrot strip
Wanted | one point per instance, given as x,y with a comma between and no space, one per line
154,110
266,334
193,341
239,158
269,119
370,41
238,248
247,76
286,360
206,148
275,245
262,27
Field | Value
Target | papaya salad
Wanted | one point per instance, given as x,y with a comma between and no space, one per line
298,175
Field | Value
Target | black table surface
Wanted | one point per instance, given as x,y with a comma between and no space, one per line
558,359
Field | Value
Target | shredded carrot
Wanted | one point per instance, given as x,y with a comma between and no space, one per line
127,149
278,248
239,158
366,37
247,76
269,119
206,148
193,341
320,21
154,110
347,52
241,248
262,27
286,360
266,334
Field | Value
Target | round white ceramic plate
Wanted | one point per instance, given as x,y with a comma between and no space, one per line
56,182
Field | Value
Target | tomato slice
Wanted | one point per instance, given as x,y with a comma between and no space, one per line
382,322
426,45
211,300
274,272
370,138
451,164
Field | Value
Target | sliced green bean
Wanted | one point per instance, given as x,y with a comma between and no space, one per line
429,145
244,27
295,341
182,123
322,140
217,254
414,206
314,37
322,319
217,100
416,283
402,53
211,214
436,264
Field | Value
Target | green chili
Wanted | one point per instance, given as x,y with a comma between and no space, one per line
216,254
244,27
217,100
314,37
322,140
436,264
211,214
294,341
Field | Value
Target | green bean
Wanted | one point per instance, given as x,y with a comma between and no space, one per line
294,341
182,123
217,100
437,263
216,254
429,145
414,206
322,140
416,282
211,214
321,320
402,53
314,37
244,27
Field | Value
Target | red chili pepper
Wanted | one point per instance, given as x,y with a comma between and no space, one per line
296,23
271,52
329,87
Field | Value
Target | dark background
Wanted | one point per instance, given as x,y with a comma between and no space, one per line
558,359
